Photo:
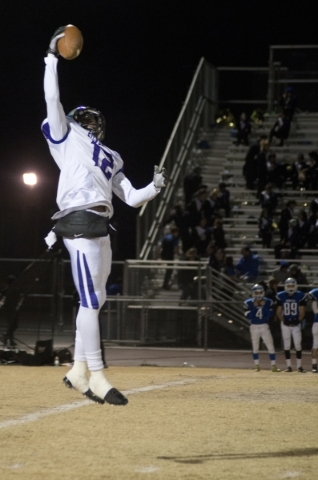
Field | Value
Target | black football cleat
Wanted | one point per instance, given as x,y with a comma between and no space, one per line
114,397
301,370
89,394
289,369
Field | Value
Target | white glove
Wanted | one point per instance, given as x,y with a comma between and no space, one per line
59,33
160,177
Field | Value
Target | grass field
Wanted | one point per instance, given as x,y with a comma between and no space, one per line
180,423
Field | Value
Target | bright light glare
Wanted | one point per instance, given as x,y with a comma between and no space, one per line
29,178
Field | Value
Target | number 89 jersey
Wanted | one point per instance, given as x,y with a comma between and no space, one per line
260,314
290,306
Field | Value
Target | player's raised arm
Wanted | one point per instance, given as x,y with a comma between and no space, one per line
56,127
133,197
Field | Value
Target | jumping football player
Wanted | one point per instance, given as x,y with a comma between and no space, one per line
89,174
313,295
291,312
259,312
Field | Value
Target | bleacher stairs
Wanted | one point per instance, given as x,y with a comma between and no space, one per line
224,162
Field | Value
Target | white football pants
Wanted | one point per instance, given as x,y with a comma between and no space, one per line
288,333
315,335
91,264
261,331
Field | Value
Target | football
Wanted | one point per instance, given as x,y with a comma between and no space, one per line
70,46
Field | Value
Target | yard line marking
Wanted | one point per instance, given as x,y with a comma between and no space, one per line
33,417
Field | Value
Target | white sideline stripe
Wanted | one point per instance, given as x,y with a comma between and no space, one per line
33,417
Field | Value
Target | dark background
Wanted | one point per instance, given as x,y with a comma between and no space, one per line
136,67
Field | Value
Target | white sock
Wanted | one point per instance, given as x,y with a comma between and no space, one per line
88,326
79,353
99,384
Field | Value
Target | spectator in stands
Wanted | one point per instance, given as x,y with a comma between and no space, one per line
116,287
257,116
191,184
181,219
216,257
287,214
312,173
303,228
313,231
229,269
169,248
289,242
276,171
186,277
301,279
288,103
280,129
250,165
272,289
269,199
224,199
262,166
265,224
212,211
247,266
298,172
202,234
218,234
243,130
199,207
313,208
282,273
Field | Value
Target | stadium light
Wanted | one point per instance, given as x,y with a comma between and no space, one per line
30,179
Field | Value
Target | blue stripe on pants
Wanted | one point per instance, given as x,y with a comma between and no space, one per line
80,282
90,285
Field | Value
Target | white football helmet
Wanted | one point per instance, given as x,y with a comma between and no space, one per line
291,286
258,292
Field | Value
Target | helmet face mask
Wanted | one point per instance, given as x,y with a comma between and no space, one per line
258,292
90,119
290,286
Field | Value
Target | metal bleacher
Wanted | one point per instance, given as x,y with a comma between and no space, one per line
242,226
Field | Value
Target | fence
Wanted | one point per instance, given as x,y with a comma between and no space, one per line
211,317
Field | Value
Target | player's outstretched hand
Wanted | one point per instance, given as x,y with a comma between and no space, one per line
160,177
59,33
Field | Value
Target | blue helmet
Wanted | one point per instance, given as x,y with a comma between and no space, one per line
290,286
82,115
258,292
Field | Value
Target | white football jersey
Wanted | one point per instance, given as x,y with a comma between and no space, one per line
90,171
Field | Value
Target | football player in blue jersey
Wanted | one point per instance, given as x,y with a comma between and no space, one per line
313,295
291,311
258,311
90,173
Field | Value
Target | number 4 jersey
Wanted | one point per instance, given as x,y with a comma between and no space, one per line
260,314
290,306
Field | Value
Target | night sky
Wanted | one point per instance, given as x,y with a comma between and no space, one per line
136,66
